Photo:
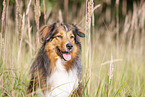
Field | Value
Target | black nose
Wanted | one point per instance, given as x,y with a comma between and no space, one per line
69,46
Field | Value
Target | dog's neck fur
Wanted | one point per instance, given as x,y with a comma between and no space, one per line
61,81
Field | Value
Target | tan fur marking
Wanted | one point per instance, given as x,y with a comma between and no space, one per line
51,53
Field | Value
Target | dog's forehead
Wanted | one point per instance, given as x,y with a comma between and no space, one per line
65,27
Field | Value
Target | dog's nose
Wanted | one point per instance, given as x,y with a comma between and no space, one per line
69,46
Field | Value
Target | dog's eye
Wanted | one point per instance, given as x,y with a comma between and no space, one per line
59,36
72,37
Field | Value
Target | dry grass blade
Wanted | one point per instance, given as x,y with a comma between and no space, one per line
20,6
37,13
44,11
112,61
16,19
29,35
28,7
82,20
21,40
60,16
0,42
97,6
90,5
37,16
3,40
134,17
117,26
111,70
3,15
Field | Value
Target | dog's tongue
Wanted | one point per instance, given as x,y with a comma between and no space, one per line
67,56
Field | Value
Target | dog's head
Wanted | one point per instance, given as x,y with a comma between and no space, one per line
61,40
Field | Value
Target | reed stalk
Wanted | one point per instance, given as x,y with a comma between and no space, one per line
60,16
37,16
89,12
134,17
28,7
16,19
29,35
21,40
3,40
142,24
44,12
117,27
1,44
3,16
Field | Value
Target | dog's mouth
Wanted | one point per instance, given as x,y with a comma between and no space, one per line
64,54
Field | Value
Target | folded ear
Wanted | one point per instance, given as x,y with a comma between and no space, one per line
46,32
80,33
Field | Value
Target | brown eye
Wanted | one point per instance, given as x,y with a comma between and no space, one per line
72,37
59,36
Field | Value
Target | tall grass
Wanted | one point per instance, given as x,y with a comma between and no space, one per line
112,57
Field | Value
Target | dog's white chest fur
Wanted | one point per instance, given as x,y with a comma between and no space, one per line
62,82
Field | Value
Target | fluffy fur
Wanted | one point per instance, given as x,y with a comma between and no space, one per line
57,71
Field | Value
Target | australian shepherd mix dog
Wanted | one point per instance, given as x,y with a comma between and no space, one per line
57,70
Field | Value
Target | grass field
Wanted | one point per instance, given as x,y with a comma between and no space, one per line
113,63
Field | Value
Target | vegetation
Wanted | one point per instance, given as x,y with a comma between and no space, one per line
113,51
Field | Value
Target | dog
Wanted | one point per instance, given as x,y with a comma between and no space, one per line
57,70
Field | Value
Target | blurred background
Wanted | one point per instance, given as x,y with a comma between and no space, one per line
113,52
72,11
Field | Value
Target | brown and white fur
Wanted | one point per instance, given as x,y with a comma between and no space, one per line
57,70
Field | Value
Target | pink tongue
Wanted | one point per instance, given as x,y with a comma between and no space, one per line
67,56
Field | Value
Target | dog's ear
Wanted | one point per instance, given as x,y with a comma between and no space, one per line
46,32
80,33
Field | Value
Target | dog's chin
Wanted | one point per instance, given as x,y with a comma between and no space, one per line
65,55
